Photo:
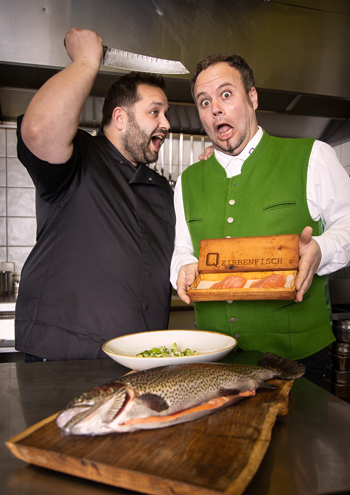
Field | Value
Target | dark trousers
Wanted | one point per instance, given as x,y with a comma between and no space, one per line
316,365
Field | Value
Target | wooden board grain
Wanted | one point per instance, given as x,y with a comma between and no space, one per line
249,254
214,455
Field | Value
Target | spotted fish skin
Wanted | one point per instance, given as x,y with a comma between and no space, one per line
169,395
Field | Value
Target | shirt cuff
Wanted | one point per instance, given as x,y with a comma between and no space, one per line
176,264
328,249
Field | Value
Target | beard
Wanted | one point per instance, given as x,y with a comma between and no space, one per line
136,142
227,148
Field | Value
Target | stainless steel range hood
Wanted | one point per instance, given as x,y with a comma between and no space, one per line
297,49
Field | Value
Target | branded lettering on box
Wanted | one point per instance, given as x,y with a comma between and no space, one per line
258,261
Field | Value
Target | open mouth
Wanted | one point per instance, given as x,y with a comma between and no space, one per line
157,140
224,131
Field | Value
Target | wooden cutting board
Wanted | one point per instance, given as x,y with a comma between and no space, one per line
214,455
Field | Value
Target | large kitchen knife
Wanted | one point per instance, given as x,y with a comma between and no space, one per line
120,59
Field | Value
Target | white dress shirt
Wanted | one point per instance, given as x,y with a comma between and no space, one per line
328,198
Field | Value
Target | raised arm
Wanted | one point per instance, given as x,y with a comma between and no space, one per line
52,118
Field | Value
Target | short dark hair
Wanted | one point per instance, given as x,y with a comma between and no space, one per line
123,92
235,61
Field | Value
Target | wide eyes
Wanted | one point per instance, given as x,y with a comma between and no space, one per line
225,95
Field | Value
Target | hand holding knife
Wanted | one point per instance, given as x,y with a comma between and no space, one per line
121,59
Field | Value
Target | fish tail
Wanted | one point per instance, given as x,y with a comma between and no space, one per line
287,369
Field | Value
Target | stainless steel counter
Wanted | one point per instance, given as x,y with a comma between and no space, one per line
309,452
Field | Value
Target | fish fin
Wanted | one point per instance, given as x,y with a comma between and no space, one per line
116,404
184,415
287,369
153,401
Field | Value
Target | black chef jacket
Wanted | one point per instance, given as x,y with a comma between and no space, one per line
100,266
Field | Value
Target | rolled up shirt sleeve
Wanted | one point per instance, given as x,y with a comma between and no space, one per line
183,249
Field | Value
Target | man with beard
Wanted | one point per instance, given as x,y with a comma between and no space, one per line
105,221
256,185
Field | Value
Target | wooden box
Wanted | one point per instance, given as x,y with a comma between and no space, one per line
251,257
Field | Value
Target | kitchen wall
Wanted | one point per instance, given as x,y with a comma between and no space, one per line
343,154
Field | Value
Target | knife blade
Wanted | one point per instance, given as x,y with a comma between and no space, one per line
120,59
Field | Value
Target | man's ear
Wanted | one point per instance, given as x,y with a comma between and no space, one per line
253,96
119,118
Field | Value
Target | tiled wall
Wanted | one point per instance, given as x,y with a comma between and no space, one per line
17,193
17,204
343,154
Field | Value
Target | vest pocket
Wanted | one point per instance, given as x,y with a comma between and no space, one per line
291,304
278,206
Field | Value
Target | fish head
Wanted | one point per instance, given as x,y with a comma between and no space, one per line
91,412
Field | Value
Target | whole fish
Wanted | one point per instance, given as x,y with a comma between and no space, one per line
169,395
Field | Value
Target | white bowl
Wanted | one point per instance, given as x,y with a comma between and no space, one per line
211,346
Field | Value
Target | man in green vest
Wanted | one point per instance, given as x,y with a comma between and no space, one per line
255,185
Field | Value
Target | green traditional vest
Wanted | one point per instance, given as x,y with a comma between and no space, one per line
267,198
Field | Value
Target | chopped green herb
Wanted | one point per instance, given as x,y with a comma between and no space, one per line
163,351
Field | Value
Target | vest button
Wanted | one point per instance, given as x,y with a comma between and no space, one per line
231,202
228,237
230,219
229,302
232,320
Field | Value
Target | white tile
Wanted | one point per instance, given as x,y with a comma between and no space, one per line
2,171
18,255
2,253
2,142
17,175
2,201
345,154
11,142
3,232
21,231
20,202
